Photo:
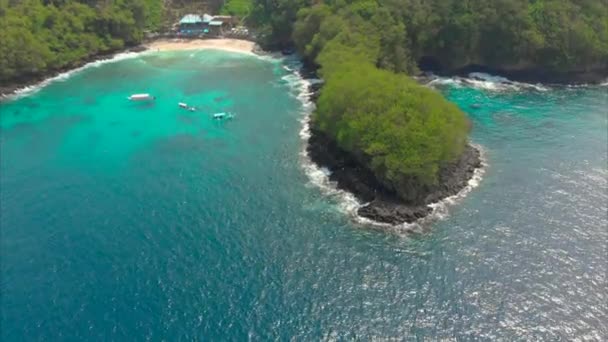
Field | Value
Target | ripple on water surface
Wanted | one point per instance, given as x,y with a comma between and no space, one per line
122,220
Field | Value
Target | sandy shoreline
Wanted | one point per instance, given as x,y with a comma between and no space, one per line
227,44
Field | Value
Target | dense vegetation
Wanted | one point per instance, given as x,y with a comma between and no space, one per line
399,129
366,49
40,35
510,34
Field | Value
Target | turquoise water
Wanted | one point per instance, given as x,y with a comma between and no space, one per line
126,221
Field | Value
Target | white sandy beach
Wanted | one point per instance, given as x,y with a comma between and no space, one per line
232,45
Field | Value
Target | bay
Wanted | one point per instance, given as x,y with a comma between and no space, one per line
129,221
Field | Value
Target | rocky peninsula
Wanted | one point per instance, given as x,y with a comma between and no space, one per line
382,203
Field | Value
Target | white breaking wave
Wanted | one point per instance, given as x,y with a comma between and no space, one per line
319,177
440,209
28,90
487,82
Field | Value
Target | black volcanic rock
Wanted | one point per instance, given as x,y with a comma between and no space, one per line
392,212
383,204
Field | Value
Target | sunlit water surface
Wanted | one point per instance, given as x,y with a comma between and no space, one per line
129,221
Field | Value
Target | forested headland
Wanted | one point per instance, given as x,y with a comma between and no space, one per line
405,137
553,35
41,36
38,36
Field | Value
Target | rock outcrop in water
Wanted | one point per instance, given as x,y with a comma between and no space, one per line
383,204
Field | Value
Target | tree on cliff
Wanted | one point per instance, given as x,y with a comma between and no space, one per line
36,36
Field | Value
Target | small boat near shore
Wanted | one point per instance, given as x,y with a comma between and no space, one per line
185,106
141,97
223,116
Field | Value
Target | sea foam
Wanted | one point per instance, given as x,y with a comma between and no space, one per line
487,82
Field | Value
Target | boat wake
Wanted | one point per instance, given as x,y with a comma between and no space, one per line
319,177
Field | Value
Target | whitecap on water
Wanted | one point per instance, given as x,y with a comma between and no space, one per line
485,81
440,209
319,177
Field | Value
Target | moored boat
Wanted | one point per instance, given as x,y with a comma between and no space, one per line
222,116
141,97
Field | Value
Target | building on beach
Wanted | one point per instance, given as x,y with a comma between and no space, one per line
191,25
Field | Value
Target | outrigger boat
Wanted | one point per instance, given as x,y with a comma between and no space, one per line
185,106
222,116
141,97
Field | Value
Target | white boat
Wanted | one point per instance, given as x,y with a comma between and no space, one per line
141,97
220,116
182,105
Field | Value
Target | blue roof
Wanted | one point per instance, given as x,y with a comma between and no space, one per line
215,23
191,19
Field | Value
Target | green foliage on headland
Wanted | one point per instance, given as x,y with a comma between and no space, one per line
366,48
401,130
558,35
37,36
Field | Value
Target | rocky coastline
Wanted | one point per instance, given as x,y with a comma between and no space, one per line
529,75
381,204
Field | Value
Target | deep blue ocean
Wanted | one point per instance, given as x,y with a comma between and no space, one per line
127,221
